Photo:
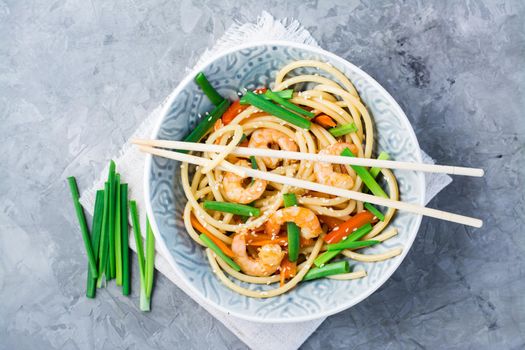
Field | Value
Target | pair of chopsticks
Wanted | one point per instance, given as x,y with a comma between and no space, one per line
149,146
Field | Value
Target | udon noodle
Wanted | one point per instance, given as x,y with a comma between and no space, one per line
262,255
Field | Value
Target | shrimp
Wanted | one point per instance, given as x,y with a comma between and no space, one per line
267,262
236,192
264,138
303,217
325,173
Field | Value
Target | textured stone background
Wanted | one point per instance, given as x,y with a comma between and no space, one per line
77,77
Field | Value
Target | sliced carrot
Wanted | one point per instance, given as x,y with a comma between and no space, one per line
347,227
222,246
330,221
325,121
288,270
232,111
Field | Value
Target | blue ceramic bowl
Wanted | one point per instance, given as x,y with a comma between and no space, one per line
251,66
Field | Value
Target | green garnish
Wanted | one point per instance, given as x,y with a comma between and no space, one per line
354,236
234,208
290,200
125,243
275,110
286,104
209,243
327,270
286,94
350,245
206,123
144,264
243,137
96,229
343,130
150,260
83,226
374,171
254,162
375,211
368,180
208,90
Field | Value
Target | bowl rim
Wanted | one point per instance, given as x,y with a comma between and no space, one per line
147,165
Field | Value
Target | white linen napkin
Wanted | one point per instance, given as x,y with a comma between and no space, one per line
130,166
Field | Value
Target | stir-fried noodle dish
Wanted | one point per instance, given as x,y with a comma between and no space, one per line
263,232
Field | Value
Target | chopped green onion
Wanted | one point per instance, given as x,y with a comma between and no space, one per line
112,199
243,137
254,162
209,243
234,208
350,245
327,270
96,229
368,180
286,94
354,236
275,110
294,232
375,211
286,104
208,90
103,247
118,233
83,225
207,122
150,259
125,239
343,130
375,170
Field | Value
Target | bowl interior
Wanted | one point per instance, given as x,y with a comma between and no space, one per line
252,67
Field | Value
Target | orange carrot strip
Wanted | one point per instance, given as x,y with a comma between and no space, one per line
330,221
325,121
288,270
347,227
232,111
222,246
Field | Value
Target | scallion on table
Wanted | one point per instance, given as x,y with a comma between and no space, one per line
287,104
275,110
96,229
343,130
111,240
327,270
150,261
125,239
144,301
103,247
208,90
210,244
293,230
368,180
118,233
233,208
83,226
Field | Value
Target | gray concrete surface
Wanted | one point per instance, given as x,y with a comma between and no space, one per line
77,77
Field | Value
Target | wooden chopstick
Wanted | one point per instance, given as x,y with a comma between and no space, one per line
262,152
359,196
